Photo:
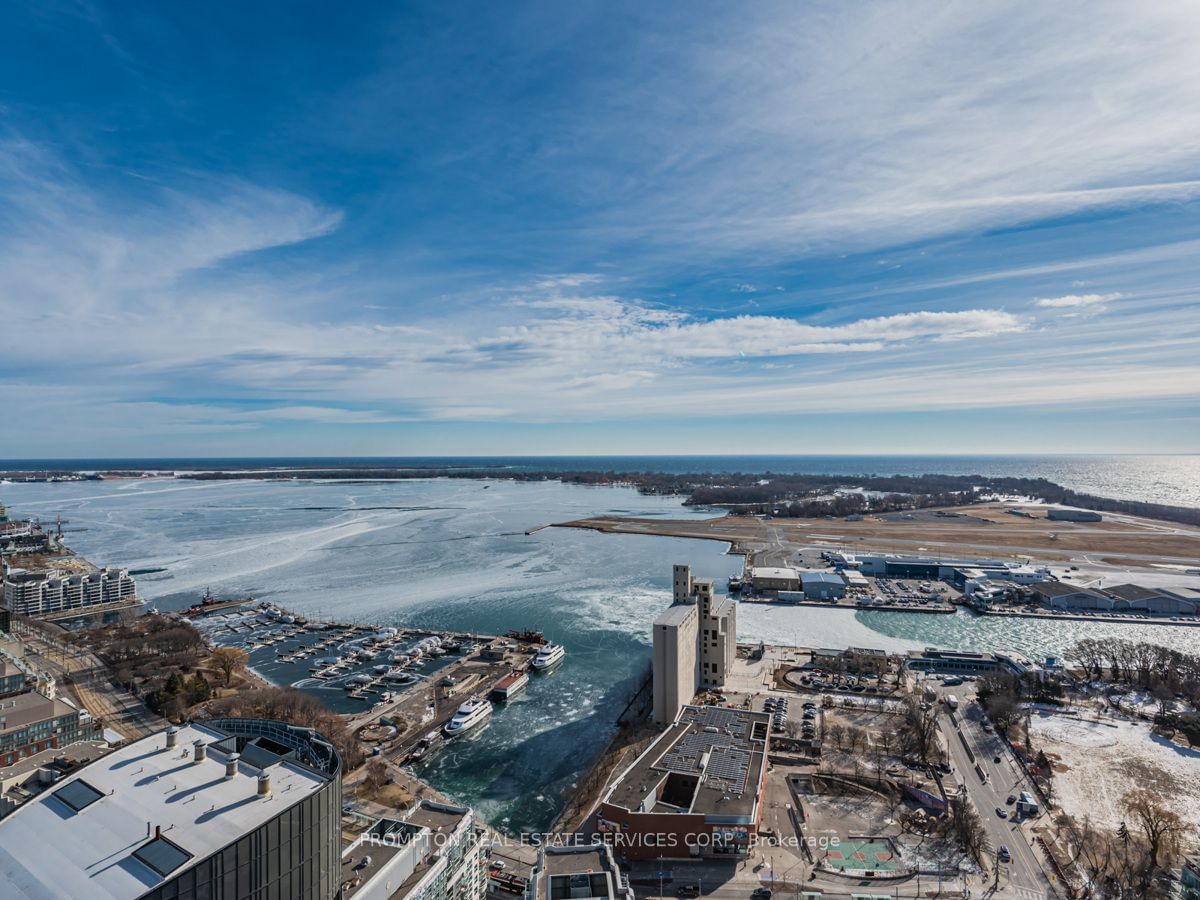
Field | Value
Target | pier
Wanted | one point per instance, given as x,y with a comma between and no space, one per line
408,682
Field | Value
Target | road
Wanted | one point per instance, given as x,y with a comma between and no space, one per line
1024,876
81,673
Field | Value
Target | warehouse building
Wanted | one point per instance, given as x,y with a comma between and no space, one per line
696,791
818,585
1154,601
226,809
1057,595
767,579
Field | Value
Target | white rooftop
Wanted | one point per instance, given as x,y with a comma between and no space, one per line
49,849
772,572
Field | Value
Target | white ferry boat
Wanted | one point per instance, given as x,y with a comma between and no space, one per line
470,715
548,657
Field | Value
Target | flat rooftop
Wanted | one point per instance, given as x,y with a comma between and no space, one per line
22,710
379,845
676,614
88,836
369,855
576,873
710,761
772,572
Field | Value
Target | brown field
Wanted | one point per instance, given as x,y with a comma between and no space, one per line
982,529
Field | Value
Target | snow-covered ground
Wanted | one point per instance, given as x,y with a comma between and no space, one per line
1096,763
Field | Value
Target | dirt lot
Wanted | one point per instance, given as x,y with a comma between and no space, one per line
1096,763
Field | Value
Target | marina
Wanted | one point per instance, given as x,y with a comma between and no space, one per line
406,692
348,553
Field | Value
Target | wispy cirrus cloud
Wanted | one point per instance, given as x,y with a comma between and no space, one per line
611,245
1076,301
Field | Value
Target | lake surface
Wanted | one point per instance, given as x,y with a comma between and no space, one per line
451,554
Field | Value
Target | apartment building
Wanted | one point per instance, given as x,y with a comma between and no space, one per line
39,592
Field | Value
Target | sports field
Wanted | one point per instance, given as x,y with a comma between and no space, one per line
873,855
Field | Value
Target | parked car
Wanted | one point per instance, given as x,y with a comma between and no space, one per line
688,890
1002,812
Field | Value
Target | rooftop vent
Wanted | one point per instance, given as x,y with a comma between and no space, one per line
231,764
172,737
264,784
201,752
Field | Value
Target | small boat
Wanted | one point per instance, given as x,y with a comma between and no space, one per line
402,678
471,714
528,636
548,657
510,686
381,670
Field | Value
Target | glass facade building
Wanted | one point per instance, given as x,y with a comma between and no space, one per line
294,856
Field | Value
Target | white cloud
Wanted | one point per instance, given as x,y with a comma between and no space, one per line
1075,301
862,128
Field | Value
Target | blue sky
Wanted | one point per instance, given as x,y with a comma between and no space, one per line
583,228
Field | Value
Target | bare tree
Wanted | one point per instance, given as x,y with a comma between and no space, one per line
967,827
229,661
1161,827
919,731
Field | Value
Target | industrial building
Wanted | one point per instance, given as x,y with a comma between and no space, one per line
696,791
1073,515
695,643
577,873
889,565
818,585
44,591
225,809
1057,595
765,579
434,852
967,662
1155,601
965,574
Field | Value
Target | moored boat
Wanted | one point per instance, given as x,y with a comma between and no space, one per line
470,715
548,657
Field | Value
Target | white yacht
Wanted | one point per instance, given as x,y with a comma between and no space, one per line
548,657
470,715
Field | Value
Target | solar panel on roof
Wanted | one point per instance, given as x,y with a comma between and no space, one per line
78,794
163,856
